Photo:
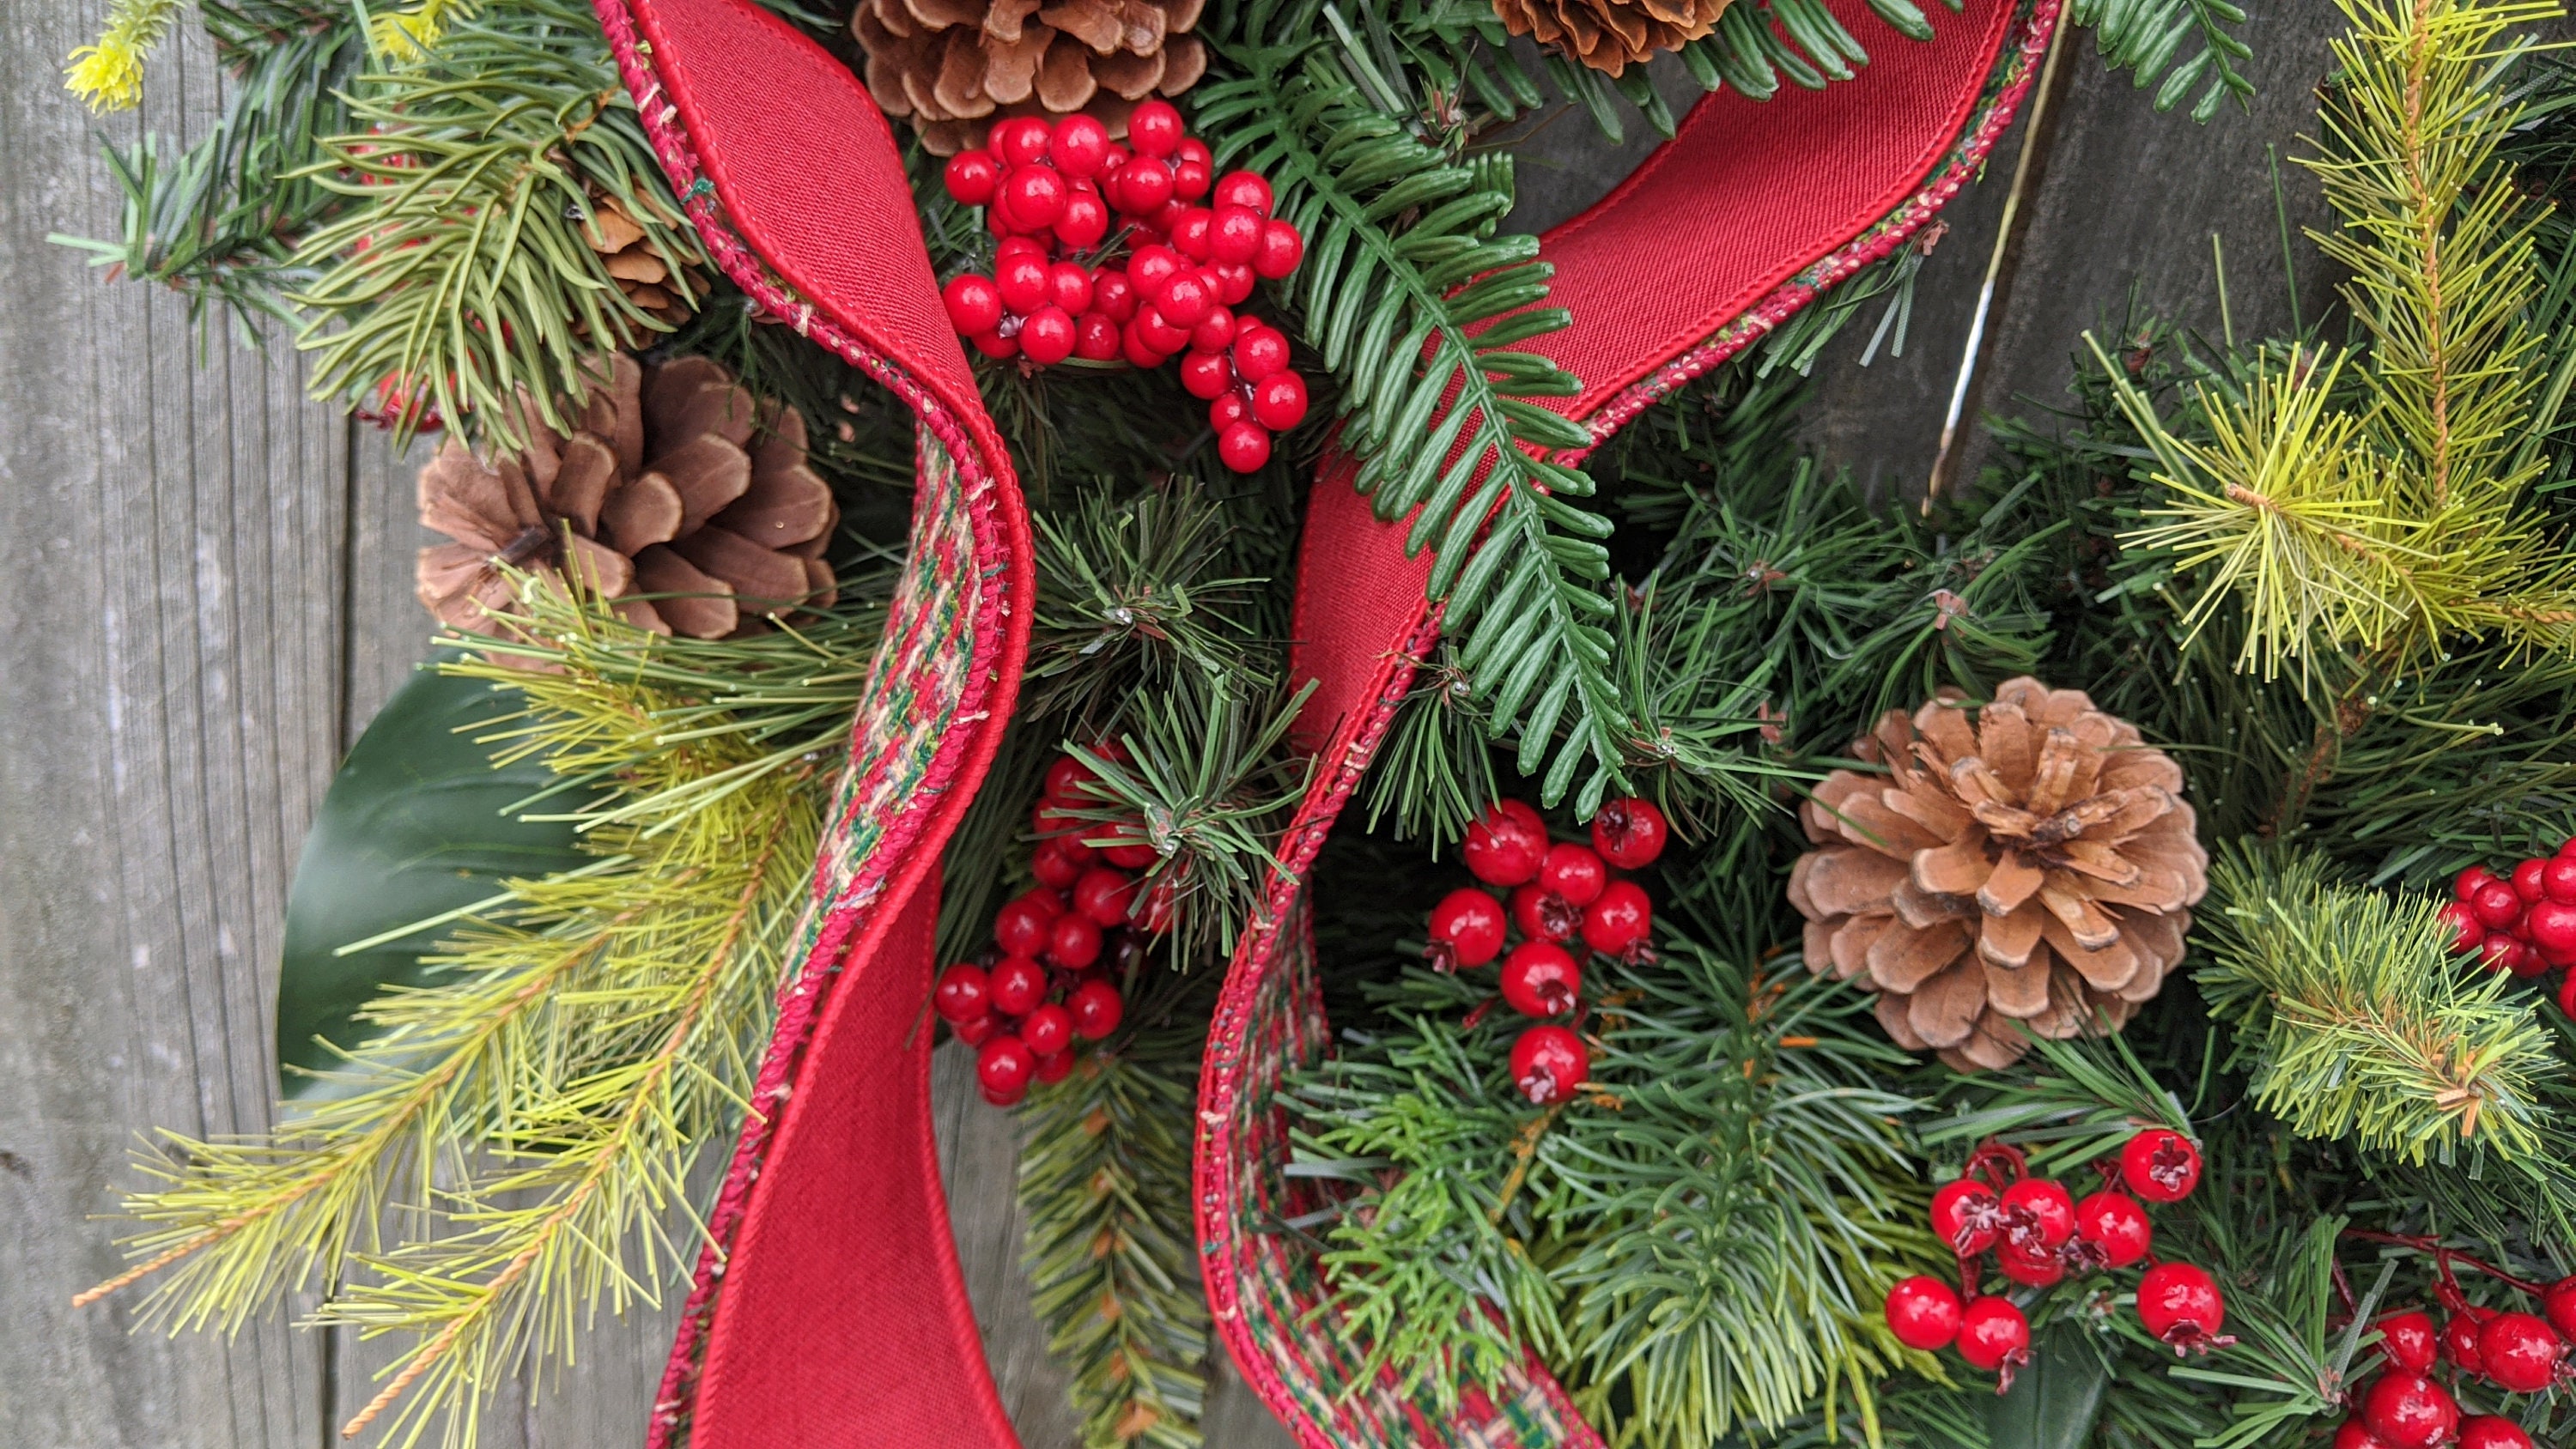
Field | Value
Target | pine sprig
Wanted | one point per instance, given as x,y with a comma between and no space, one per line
1416,306
2149,37
108,74
2363,1027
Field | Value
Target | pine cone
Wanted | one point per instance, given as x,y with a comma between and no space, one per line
647,280
1611,35
955,66
676,482
2037,867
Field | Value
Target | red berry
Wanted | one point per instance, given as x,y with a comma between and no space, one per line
1141,188
1234,234
1215,331
1185,298
1096,1008
1923,1313
2526,880
1548,1063
2466,933
2551,925
1506,845
2116,1228
1084,220
962,994
1234,282
1069,287
1032,197
1159,332
975,1031
1020,927
2559,1301
1066,780
1079,148
972,177
2031,1267
1048,1030
1154,129
1629,833
1055,1068
1026,282
2408,1341
1190,179
1244,189
2466,883
1019,246
1113,296
1620,921
1105,897
1279,401
1227,409
1543,916
1095,338
2037,1213
1206,374
1054,868
1073,942
2528,960
2567,1008
1540,979
2497,905
1967,1216
994,344
1993,1335
1259,354
974,304
1466,930
2160,1165
2354,1434
2520,1352
1047,336
1138,352
1572,873
1019,141
2409,1411
1016,985
1282,248
2460,1338
1243,447
2491,1431
2182,1305
1191,234
2500,951
1003,1065
2558,879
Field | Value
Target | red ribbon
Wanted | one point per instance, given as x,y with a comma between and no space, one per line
842,1319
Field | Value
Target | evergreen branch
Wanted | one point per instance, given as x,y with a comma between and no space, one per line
2361,1026
108,74
1434,772
2149,36
408,34
1414,305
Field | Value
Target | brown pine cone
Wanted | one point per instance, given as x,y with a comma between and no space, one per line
2037,867
956,66
648,282
675,483
1611,35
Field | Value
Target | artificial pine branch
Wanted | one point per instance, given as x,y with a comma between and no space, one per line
2148,36
108,74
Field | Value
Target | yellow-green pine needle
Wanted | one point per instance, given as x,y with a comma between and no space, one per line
109,74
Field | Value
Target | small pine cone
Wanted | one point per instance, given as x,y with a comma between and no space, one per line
2037,867
1611,35
675,484
956,66
648,281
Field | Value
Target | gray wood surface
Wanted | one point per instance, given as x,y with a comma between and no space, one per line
206,594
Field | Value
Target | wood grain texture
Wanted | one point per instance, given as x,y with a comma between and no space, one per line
207,594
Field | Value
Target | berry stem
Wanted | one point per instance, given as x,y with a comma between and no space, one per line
2443,1258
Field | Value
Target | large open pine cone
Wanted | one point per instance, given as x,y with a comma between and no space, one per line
675,483
2036,867
954,66
1611,35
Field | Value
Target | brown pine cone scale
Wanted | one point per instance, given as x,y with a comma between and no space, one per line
955,66
1611,35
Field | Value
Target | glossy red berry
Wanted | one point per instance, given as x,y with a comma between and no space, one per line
1994,1336
1282,248
2409,1411
1619,921
1629,833
1542,916
2038,1212
1024,281
1104,895
994,344
1215,332
977,1030
1097,1009
2409,1341
1084,220
1466,930
1194,149
974,304
2355,1434
972,177
2466,883
2500,951
1206,375
2520,1352
1048,1030
2551,925
2497,905
2160,1165
962,994
1055,1068
1068,781
1190,234
1095,337
2567,1008
1505,846
1003,1064
1233,282
1073,942
2460,1338
1154,129
1020,140
2526,880
2032,1267
1923,1313
1047,336
1032,197
1244,189
1279,401
1079,149
1069,287
1113,296
1016,985
1191,179
1548,1063
1185,298
2558,1303
1540,979
2467,934
1054,869
2115,1228
1158,333
1227,410
1259,353
2182,1305
2558,879
1020,927
1572,873
1140,188
2492,1431
1234,234
1967,1216
1243,446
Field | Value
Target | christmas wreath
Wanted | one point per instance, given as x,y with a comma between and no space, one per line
1499,892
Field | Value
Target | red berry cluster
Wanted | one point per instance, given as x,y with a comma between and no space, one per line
1563,899
1046,981
2523,922
1196,242
2037,1232
2406,1407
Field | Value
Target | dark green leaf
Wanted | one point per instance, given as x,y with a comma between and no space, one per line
2053,1401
